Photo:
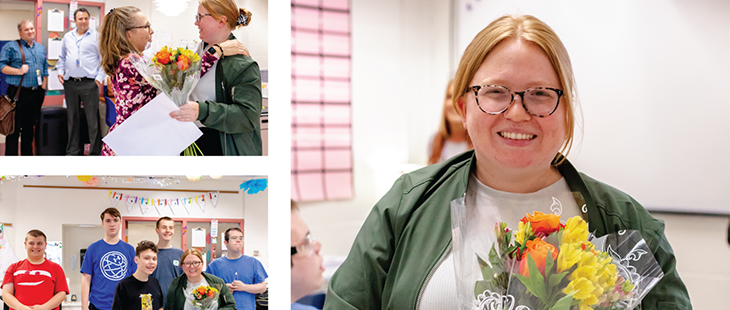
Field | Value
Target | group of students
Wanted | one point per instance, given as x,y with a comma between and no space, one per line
152,276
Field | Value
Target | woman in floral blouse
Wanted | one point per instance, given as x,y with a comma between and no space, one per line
125,32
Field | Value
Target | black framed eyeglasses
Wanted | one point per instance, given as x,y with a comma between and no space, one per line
148,26
193,264
306,247
199,16
496,99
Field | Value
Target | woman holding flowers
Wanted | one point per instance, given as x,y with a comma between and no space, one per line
125,33
515,92
197,289
226,103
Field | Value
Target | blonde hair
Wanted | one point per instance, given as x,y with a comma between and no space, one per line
191,252
113,42
444,132
235,17
529,28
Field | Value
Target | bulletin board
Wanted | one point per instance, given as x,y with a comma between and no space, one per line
96,10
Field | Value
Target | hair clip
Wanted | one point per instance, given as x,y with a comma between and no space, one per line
111,11
242,20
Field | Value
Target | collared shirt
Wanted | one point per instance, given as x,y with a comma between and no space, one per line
80,56
35,58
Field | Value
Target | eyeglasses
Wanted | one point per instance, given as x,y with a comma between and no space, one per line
199,16
194,264
148,26
235,238
538,101
306,247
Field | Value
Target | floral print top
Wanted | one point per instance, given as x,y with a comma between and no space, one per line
132,91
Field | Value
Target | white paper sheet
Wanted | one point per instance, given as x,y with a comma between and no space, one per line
54,48
54,252
55,20
92,23
53,83
199,238
151,131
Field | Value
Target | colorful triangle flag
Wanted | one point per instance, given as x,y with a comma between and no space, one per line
213,197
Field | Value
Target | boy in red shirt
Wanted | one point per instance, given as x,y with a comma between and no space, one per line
34,282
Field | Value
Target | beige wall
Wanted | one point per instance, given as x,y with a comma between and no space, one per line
10,15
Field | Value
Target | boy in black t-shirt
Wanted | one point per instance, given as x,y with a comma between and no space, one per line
140,291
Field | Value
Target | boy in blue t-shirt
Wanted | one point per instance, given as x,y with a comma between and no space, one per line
106,262
168,257
244,275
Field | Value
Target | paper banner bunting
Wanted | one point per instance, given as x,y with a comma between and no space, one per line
174,203
130,201
144,205
115,197
213,197
158,205
186,203
201,201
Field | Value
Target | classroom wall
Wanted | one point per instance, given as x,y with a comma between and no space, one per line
400,68
57,210
10,15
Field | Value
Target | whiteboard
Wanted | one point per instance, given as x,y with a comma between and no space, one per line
653,79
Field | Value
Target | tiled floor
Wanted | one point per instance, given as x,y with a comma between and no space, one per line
703,257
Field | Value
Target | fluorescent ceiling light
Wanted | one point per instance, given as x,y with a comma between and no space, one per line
171,7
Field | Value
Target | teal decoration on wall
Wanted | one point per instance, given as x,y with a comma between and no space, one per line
254,186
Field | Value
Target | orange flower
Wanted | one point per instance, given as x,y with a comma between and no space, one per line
163,57
538,250
210,294
183,62
543,223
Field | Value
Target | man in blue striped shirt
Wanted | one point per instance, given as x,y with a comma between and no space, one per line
81,76
34,73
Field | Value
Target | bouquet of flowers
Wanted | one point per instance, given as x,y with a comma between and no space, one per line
205,297
545,264
175,72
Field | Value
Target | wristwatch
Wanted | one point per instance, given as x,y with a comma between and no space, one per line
212,50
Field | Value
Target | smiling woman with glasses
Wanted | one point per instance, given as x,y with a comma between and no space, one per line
179,294
226,104
515,93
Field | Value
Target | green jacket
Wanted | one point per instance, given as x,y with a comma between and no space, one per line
236,112
408,233
176,299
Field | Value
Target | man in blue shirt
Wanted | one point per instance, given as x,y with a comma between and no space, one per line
81,75
34,75
106,262
168,257
244,275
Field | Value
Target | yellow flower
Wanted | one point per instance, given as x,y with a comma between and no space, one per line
582,287
569,255
575,231
520,234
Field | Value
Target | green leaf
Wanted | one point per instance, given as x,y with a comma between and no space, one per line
563,303
496,260
487,271
535,284
555,279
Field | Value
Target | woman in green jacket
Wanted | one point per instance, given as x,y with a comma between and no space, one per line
179,295
515,92
227,104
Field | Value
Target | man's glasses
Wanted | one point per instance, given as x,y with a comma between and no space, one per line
148,26
235,238
306,247
199,16
193,264
538,101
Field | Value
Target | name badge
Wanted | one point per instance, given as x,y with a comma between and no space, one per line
78,63
38,75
